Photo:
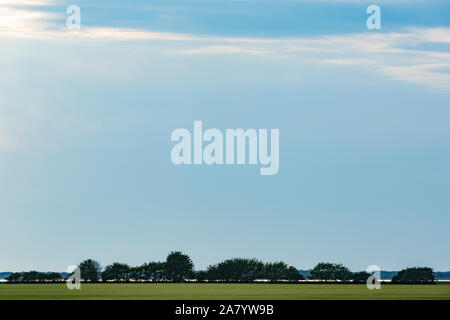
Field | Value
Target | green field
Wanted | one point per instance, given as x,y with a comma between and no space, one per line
169,291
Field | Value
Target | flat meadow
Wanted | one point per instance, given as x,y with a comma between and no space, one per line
221,291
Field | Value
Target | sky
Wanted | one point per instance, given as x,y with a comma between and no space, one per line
86,118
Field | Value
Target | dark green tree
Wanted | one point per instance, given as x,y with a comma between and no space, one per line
14,277
137,273
54,276
275,271
90,270
117,272
330,271
212,273
237,270
179,266
293,274
360,277
154,271
201,275
31,276
415,275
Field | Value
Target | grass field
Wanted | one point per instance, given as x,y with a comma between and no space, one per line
168,291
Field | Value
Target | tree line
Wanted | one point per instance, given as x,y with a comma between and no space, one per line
34,276
178,267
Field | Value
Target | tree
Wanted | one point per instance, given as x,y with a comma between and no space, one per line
51,276
201,276
137,273
275,271
31,276
117,272
154,271
251,269
236,270
90,270
212,273
360,277
281,271
293,274
415,275
179,266
343,273
14,277
330,271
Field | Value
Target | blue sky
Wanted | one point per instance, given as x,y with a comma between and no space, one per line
86,118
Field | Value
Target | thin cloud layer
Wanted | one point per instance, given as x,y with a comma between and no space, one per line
398,55
18,3
222,50
19,22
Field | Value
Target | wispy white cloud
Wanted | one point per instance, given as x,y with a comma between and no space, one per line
17,3
346,62
222,50
130,34
428,74
19,22
397,55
